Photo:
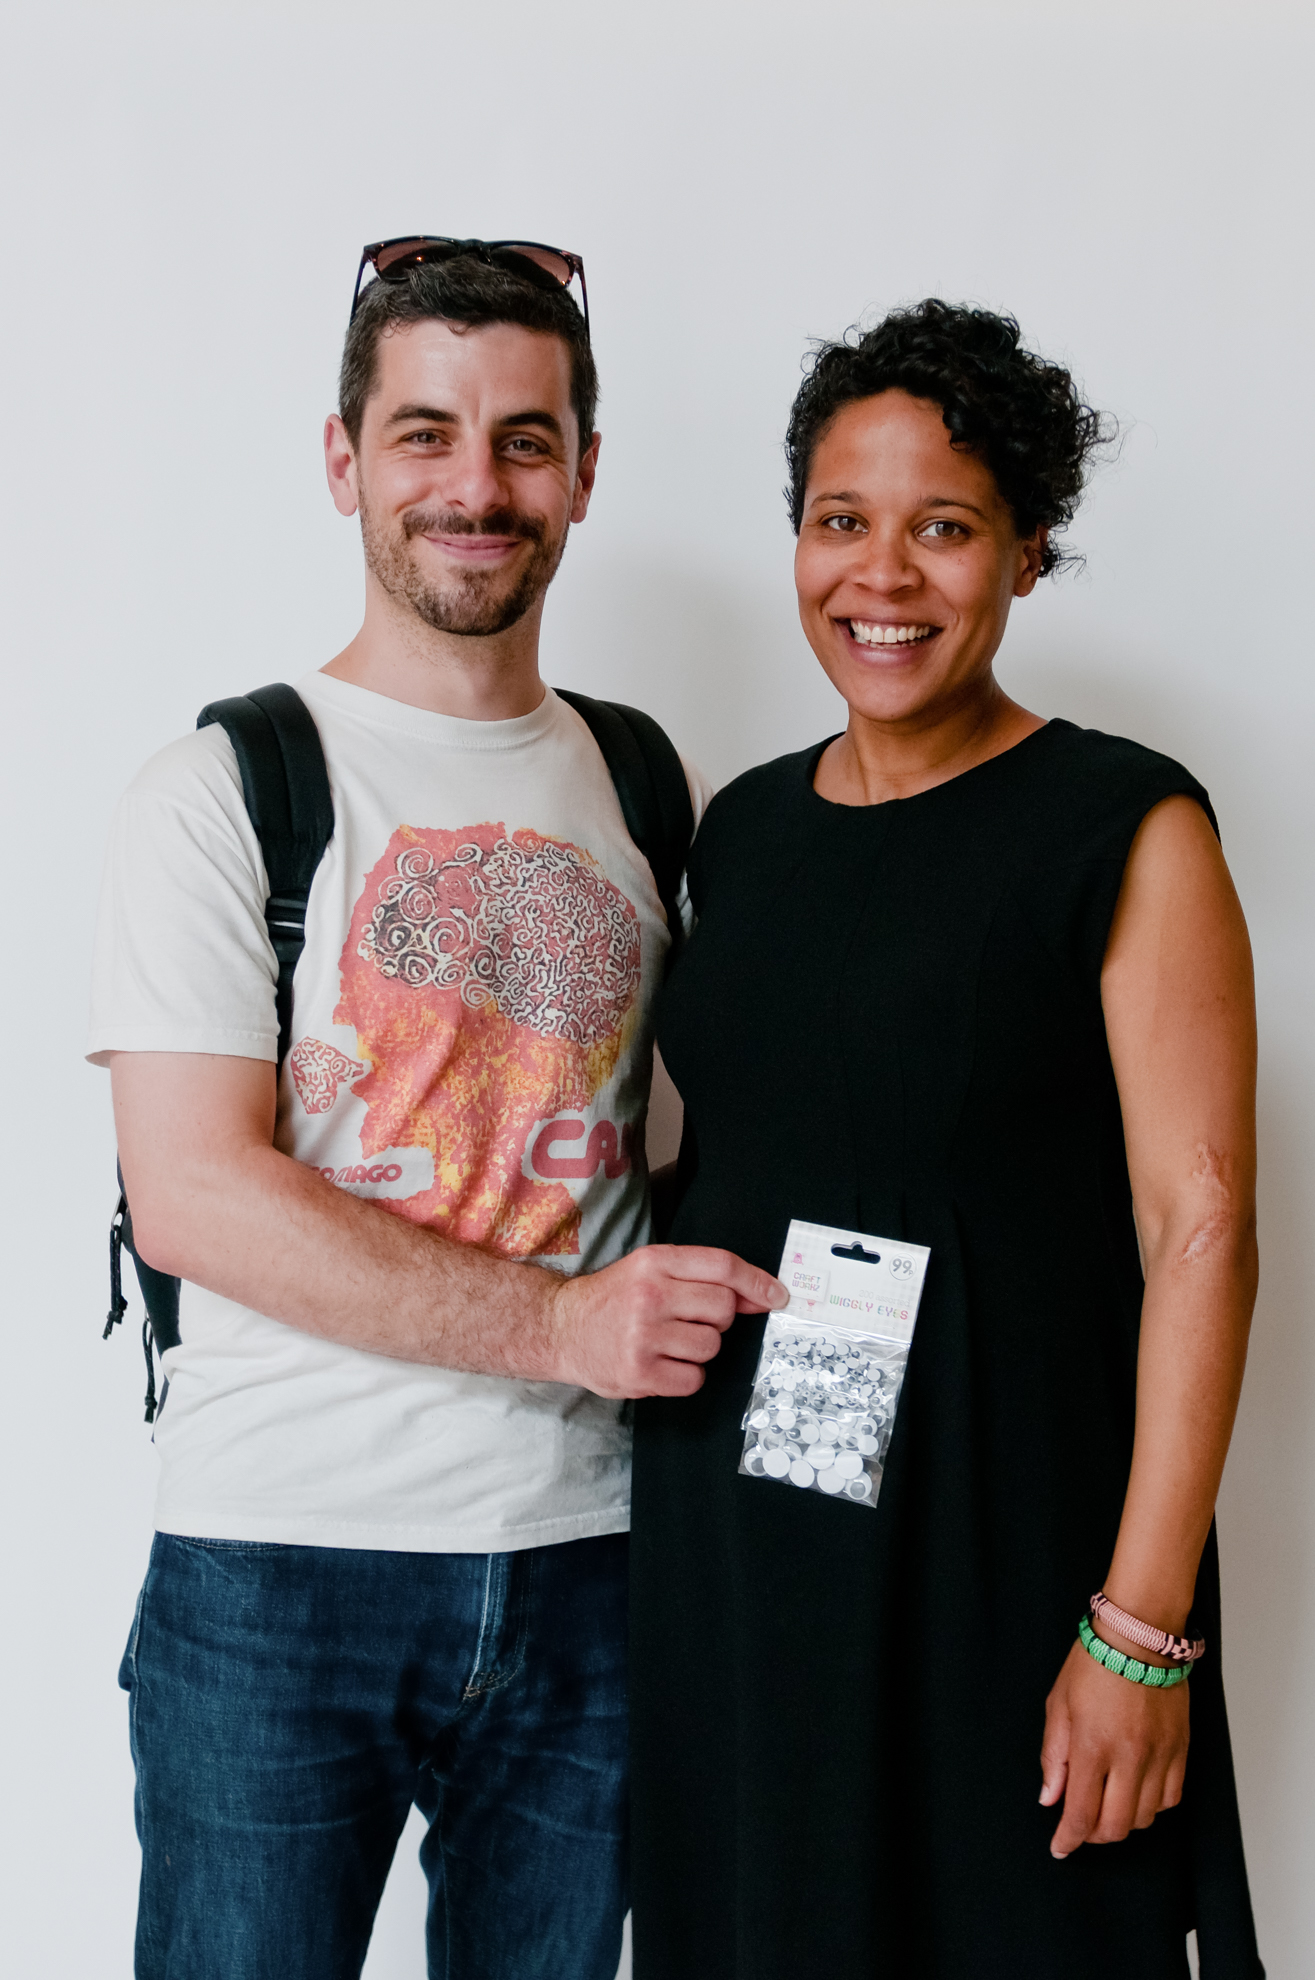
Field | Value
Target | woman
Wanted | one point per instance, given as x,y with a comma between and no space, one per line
976,981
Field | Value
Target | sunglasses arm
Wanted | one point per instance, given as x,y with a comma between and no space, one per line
356,292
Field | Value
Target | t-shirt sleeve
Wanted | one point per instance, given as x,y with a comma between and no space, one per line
701,795
182,959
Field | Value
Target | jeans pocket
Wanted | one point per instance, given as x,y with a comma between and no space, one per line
128,1666
228,1546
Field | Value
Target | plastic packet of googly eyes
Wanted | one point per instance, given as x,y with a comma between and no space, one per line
828,1380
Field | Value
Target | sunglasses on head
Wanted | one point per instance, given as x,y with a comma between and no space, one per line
546,267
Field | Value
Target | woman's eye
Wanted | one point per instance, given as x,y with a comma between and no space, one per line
843,525
942,530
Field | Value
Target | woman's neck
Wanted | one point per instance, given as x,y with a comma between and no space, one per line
876,761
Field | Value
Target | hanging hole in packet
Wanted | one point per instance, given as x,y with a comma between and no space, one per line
827,1384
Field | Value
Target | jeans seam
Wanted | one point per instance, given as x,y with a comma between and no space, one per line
145,1926
494,1570
522,1635
500,1675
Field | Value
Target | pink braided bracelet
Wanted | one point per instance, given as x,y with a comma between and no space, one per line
1179,1649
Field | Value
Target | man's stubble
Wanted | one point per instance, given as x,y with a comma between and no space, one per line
478,604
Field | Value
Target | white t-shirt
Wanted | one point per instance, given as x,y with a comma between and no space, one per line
472,1048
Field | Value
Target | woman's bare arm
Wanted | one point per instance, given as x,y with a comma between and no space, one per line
1180,1016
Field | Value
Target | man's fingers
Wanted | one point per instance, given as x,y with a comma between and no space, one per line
672,1378
684,1340
756,1290
693,1300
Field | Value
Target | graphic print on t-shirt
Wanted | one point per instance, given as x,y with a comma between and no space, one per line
490,978
318,1070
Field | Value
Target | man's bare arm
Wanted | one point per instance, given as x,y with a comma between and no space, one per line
214,1202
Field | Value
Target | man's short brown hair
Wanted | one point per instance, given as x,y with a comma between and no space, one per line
463,290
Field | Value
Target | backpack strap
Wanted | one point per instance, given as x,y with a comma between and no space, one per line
286,788
652,789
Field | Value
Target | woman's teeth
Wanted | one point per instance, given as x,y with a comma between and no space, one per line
868,635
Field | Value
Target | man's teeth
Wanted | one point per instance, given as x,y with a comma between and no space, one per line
867,635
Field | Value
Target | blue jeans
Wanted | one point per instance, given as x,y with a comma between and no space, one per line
288,1704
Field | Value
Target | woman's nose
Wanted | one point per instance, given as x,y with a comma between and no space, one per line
887,564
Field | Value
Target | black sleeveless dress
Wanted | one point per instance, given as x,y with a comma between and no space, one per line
889,1019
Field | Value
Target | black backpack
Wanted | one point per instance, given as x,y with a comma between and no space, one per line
286,789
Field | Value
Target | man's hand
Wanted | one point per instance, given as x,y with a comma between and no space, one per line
647,1325
215,1203
1114,1751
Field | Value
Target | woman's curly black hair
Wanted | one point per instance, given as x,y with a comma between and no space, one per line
1020,415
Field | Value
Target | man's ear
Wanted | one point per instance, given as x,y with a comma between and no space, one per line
340,467
1033,549
584,479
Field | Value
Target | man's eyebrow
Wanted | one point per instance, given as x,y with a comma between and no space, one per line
535,417
435,416
432,415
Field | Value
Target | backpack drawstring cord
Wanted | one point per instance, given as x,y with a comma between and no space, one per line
147,1346
118,1304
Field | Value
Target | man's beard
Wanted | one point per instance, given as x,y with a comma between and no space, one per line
478,603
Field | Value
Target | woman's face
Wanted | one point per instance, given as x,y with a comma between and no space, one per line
907,561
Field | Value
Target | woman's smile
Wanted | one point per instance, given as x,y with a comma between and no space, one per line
872,632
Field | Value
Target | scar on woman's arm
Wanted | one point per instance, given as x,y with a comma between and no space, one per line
1212,1178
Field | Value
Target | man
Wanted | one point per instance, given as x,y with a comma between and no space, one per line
390,1560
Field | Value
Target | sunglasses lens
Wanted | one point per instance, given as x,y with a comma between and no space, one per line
397,253
554,265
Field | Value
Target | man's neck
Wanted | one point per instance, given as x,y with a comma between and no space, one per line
478,679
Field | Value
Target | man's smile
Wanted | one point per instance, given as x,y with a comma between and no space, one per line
476,549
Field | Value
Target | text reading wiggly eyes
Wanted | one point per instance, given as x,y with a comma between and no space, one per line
870,1306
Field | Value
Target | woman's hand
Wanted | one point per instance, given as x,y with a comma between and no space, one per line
1114,1751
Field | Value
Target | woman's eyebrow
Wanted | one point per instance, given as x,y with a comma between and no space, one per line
953,502
927,502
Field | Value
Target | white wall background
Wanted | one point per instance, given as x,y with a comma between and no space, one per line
185,193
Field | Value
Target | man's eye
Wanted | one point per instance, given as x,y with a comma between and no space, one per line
426,437
522,444
843,525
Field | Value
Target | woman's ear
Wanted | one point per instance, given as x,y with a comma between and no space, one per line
1032,550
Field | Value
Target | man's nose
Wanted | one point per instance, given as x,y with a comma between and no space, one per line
473,477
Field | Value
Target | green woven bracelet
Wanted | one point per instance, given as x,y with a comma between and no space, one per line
1131,1668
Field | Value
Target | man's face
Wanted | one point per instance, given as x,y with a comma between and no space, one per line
469,471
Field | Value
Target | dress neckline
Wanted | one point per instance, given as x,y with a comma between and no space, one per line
814,757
